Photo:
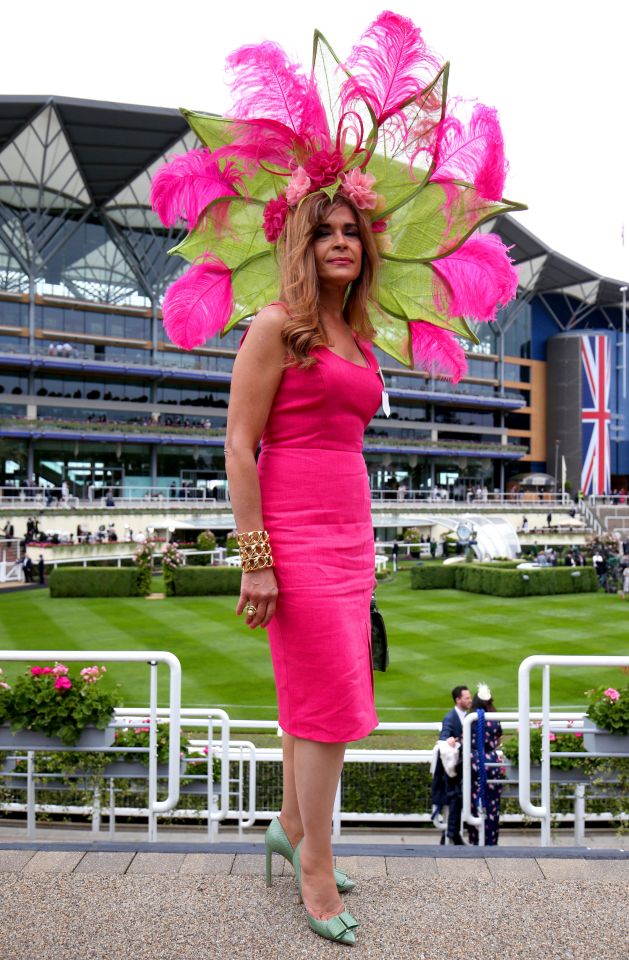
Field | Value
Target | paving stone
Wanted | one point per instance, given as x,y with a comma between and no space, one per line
208,863
362,866
563,869
458,868
254,865
104,862
11,861
412,867
614,871
54,861
156,863
514,867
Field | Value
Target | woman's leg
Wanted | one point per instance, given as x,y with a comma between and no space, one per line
290,817
317,768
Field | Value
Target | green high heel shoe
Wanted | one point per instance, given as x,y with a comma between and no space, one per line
276,841
340,928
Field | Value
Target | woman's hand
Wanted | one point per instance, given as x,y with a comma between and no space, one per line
259,588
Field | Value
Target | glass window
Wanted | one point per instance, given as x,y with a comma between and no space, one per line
13,314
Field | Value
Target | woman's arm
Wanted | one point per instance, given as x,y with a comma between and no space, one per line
255,378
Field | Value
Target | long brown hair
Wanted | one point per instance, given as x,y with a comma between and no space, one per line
302,330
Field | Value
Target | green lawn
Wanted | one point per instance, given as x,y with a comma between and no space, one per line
437,638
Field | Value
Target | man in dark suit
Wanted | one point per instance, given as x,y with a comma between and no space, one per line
452,731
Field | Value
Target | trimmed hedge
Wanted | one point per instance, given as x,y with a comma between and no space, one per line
475,578
433,576
206,581
499,580
100,582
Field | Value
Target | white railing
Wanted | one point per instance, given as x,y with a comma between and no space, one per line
543,811
130,496
218,555
153,658
509,721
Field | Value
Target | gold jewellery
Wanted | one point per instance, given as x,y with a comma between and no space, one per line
255,550
251,610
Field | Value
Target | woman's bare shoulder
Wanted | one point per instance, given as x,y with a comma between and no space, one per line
272,317
265,330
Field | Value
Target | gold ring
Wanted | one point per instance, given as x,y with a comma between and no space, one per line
251,609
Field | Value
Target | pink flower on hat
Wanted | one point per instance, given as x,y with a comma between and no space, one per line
612,694
357,186
274,218
298,186
324,167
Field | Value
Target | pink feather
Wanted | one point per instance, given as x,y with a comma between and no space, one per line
198,305
473,152
264,141
265,84
389,66
183,188
479,277
437,350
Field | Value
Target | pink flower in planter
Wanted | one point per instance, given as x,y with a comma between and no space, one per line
63,683
46,670
551,736
37,671
5,685
578,733
612,694
59,669
205,751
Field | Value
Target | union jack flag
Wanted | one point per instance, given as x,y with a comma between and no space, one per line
595,414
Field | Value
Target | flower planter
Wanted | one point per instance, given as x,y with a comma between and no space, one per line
556,776
35,740
134,768
602,741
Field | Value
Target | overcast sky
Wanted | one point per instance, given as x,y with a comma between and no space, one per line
557,70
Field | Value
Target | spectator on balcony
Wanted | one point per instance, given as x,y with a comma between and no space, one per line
525,525
401,491
549,520
9,530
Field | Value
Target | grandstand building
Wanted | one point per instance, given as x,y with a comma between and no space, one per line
92,393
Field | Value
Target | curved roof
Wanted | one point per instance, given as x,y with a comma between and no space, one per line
92,161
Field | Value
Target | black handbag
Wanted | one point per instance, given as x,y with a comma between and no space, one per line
379,643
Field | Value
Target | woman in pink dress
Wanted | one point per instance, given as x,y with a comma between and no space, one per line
306,384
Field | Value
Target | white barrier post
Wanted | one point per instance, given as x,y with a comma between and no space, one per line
524,719
152,819
545,827
30,795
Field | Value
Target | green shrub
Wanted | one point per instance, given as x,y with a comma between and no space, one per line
432,576
497,582
99,582
206,581
205,541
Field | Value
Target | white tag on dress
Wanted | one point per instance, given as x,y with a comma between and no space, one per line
385,396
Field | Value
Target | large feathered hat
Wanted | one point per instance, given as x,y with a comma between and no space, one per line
377,128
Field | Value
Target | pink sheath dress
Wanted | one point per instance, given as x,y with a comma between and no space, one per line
317,509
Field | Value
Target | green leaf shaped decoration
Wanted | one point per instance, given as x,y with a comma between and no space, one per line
392,334
255,283
426,228
241,239
407,292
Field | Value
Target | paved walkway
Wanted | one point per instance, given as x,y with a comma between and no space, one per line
77,901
